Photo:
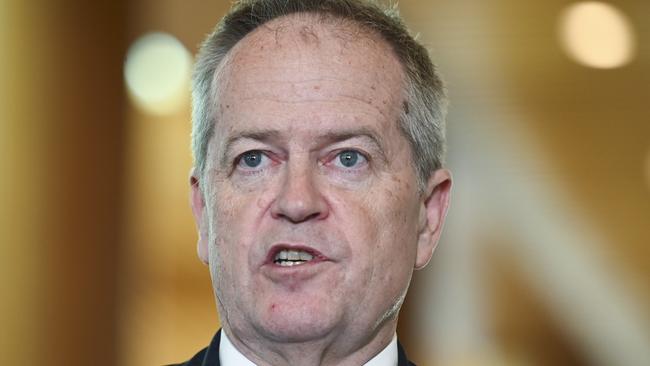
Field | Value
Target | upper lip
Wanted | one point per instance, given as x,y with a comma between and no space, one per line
277,248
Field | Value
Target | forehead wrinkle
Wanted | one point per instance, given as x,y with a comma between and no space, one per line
324,84
324,100
293,92
305,80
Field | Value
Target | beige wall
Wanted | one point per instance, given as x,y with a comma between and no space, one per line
62,117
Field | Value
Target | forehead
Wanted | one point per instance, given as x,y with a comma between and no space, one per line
306,66
300,37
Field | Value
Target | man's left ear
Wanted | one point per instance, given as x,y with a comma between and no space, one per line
433,209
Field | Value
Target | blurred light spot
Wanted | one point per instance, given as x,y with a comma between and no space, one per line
597,35
157,72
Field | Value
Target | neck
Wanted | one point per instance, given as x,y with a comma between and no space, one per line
335,349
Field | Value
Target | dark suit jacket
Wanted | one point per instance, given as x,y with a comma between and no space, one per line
209,356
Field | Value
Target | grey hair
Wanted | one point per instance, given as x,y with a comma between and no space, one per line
422,120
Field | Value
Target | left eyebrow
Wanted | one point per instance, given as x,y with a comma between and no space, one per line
332,137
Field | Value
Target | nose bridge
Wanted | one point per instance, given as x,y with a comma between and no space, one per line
300,199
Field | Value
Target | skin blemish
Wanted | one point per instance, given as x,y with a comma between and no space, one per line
261,203
317,87
390,194
405,104
308,35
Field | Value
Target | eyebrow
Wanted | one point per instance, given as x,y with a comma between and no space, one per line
363,132
258,135
329,137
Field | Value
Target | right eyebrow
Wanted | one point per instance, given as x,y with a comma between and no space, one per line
258,135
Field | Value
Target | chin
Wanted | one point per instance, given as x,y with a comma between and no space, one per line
288,321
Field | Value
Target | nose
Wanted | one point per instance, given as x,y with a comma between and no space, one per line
299,199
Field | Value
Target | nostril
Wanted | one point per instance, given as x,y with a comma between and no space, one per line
296,216
297,220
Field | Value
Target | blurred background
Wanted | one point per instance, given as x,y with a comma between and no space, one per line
546,255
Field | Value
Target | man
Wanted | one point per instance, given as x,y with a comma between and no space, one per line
318,187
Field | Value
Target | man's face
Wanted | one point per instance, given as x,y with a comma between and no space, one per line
309,212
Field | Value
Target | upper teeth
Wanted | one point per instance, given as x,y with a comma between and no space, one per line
293,255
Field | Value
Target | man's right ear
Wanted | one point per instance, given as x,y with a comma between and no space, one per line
197,201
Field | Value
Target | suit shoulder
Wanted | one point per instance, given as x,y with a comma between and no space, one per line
197,360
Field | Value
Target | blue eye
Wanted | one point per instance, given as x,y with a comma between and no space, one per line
350,158
251,159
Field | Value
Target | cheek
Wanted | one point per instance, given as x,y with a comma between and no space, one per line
232,209
225,226
396,249
235,224
396,220
228,248
382,237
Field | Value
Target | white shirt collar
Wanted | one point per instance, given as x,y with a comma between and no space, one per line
230,356
387,356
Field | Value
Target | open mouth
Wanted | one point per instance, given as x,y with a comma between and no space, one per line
288,257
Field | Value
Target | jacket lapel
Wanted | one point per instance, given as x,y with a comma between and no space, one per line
401,356
212,353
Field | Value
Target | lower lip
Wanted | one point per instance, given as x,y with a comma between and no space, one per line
296,272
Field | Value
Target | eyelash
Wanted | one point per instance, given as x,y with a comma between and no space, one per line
358,165
264,159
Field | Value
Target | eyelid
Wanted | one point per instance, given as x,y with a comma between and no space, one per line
266,159
333,156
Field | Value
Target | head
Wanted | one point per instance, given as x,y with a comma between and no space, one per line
318,184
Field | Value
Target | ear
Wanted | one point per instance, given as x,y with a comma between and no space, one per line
197,201
433,209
